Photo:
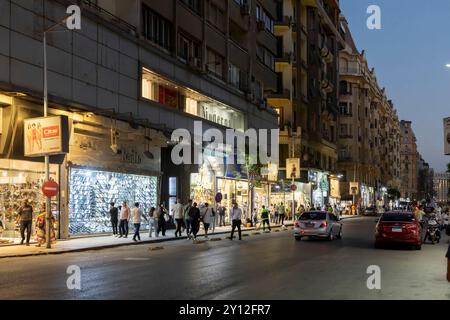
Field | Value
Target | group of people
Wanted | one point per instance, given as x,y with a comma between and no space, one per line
25,219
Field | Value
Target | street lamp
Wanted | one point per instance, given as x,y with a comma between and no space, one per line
48,204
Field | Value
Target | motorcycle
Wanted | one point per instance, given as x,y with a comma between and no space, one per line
433,232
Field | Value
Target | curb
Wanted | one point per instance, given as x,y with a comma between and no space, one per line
111,246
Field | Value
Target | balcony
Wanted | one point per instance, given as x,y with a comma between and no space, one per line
286,58
284,24
282,95
349,71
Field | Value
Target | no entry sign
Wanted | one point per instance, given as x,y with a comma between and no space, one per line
50,189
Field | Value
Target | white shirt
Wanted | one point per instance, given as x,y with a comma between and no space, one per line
178,211
137,214
236,214
206,214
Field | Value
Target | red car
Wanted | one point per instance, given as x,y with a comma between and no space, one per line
398,228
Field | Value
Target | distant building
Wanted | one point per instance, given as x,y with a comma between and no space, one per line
409,161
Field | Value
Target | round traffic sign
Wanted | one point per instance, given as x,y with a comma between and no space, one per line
294,187
219,197
50,189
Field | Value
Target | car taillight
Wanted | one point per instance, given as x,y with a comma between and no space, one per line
324,224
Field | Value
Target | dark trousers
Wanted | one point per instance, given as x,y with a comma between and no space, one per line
222,221
264,222
179,225
137,228
275,218
188,226
161,227
123,228
281,218
195,228
115,226
236,224
25,225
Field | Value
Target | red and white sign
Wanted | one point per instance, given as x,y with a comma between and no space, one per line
294,188
50,189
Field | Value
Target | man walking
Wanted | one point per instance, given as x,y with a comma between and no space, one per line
194,217
160,214
281,214
178,216
265,218
114,214
137,214
236,218
26,221
187,218
125,214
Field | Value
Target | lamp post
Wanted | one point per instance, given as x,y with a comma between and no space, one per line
48,204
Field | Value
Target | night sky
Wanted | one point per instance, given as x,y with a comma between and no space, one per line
409,55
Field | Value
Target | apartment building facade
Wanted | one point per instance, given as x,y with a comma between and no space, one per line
136,71
441,185
308,38
369,137
409,162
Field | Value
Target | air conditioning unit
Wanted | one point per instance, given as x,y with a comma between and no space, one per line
261,25
245,10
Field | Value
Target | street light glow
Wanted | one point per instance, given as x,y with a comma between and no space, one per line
448,65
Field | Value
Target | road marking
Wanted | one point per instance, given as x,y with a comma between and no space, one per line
136,259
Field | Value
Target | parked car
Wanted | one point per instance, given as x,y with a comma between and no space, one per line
398,228
318,224
371,212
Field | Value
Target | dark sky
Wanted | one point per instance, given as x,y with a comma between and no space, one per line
410,54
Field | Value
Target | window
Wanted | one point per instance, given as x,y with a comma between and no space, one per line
189,50
194,5
346,108
216,16
265,56
156,28
345,87
215,63
234,76
263,16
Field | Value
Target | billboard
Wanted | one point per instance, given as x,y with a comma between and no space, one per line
354,188
447,136
46,136
293,168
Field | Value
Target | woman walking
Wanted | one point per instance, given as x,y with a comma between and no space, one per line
206,217
153,223
194,215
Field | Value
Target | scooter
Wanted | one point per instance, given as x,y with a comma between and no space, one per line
433,232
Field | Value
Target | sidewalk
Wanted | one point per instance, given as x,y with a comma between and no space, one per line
106,242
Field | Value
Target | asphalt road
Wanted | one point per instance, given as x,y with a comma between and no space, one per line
268,266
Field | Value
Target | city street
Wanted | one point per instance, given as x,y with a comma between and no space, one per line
267,266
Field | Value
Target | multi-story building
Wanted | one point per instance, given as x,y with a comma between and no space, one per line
441,184
425,183
368,132
136,71
307,90
409,160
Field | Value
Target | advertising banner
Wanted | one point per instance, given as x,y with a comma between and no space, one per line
354,188
46,136
447,136
293,168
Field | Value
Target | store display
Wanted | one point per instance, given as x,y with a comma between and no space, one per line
92,191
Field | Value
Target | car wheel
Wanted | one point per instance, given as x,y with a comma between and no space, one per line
298,238
418,248
377,245
331,236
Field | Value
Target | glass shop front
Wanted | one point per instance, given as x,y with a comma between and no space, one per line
20,181
91,191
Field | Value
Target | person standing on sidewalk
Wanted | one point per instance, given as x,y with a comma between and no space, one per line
194,217
26,221
137,214
114,214
206,214
187,219
222,211
236,218
178,216
161,215
153,223
265,218
281,214
125,214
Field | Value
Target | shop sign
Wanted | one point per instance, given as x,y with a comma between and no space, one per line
354,188
46,136
324,185
447,136
293,168
50,189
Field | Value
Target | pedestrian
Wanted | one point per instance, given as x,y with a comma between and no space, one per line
448,264
194,217
275,213
41,227
255,217
206,214
265,218
178,216
187,218
26,221
222,211
281,214
137,214
114,215
236,218
125,215
161,216
153,223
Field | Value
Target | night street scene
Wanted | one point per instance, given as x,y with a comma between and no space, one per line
240,152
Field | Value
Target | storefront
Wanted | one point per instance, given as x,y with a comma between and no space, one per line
320,188
20,181
367,196
335,194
